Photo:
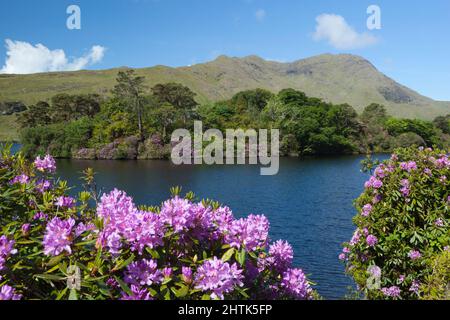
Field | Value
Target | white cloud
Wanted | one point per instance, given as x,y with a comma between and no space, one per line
260,14
24,58
338,33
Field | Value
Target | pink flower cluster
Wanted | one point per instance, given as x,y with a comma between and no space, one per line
47,164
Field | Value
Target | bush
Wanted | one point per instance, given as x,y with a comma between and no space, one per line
53,246
403,223
437,285
60,139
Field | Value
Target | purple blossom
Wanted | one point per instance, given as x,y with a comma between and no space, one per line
375,271
366,210
137,294
295,284
443,179
25,228
377,198
428,172
146,230
342,257
251,272
43,185
442,162
20,179
222,219
82,228
58,236
178,213
373,183
414,255
439,223
415,286
121,219
111,282
250,233
167,272
218,277
393,292
111,239
401,278
282,254
355,238
186,274
408,166
46,164
6,249
380,172
40,216
143,272
371,240
9,293
405,190
65,202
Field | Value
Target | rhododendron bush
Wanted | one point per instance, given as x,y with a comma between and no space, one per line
402,225
53,246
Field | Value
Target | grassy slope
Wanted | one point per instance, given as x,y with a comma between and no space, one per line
8,128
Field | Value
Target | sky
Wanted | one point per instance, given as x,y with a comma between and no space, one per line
412,46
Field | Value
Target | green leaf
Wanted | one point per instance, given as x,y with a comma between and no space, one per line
125,263
49,277
240,256
181,292
73,295
153,253
228,254
62,294
55,260
123,286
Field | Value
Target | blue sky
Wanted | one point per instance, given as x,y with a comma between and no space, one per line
412,46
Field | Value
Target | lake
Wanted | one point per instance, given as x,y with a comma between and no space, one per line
309,202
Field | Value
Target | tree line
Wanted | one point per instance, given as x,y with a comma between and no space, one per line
308,125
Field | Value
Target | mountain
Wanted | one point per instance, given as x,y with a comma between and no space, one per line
340,78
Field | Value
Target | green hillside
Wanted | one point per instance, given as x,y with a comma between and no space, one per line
334,78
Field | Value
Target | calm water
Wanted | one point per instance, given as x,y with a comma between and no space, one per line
309,203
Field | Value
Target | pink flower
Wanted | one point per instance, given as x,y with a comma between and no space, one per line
414,255
47,164
371,240
366,210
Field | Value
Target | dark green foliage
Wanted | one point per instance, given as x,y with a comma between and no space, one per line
180,97
63,108
251,100
374,113
425,129
443,123
129,90
58,139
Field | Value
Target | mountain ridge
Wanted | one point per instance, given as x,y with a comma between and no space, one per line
341,78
